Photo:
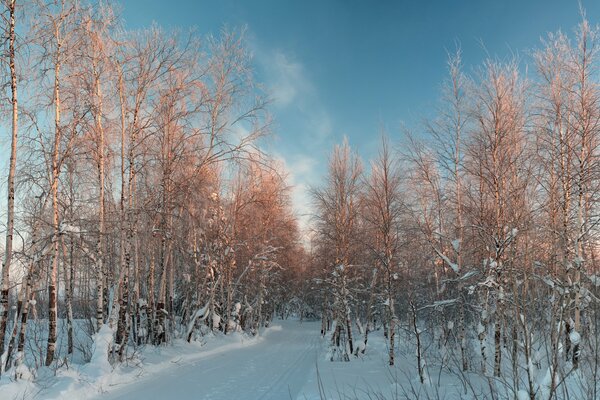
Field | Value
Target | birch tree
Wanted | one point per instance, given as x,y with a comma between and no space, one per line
496,155
383,202
56,33
10,224
337,205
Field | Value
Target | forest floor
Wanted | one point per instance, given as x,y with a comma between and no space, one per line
288,360
276,366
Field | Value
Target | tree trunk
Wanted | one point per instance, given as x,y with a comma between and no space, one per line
100,243
69,294
150,317
5,285
392,328
122,331
369,307
13,336
52,289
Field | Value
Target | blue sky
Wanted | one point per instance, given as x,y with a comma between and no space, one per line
338,68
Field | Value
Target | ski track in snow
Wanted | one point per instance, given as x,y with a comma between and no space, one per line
274,369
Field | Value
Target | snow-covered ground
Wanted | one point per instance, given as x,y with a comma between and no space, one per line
275,366
152,365
286,361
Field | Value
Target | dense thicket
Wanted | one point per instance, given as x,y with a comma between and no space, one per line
145,208
477,233
144,203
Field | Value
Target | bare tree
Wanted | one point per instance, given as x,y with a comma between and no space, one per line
337,205
448,130
55,32
96,45
383,202
496,158
10,224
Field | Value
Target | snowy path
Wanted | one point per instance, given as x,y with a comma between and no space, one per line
274,369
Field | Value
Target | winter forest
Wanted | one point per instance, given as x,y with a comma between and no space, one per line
151,249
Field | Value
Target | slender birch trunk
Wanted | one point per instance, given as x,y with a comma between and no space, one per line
10,224
52,286
100,242
68,273
13,336
150,309
392,328
370,306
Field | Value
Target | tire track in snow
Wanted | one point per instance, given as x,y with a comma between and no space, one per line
282,383
273,369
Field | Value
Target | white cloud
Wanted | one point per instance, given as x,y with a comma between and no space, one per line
320,125
301,173
290,87
304,125
287,79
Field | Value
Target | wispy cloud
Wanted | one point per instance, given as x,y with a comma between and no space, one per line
289,85
301,172
287,79
304,125
320,125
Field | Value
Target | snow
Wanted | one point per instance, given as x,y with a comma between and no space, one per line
443,303
153,367
490,282
575,337
468,275
273,366
21,370
548,281
201,312
456,245
455,268
216,319
440,304
480,329
99,364
97,373
286,361
360,347
67,228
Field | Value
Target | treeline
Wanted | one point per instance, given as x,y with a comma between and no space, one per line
139,200
480,231
140,203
